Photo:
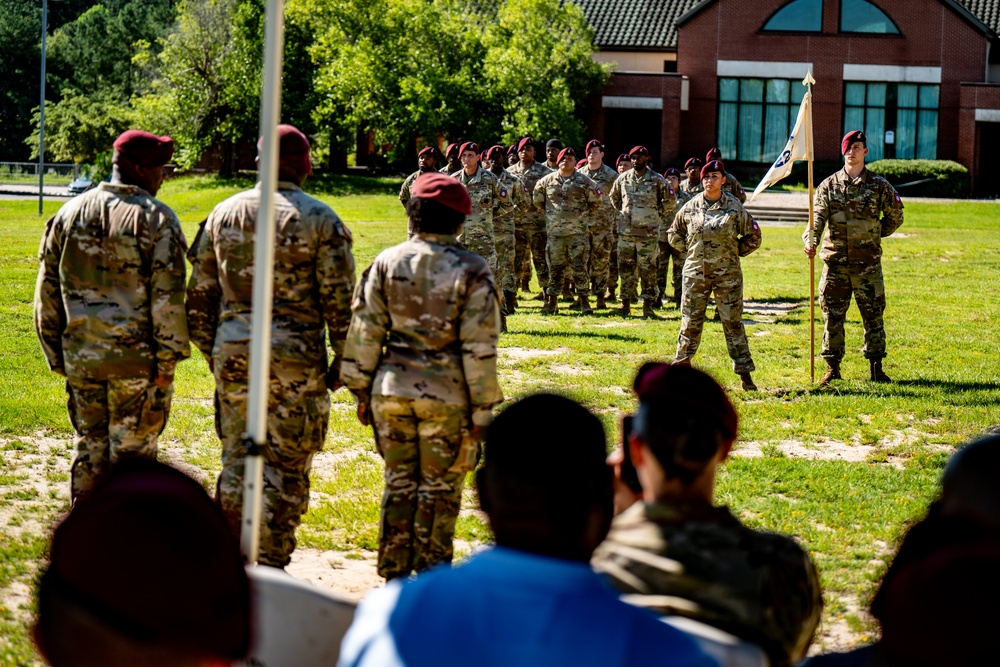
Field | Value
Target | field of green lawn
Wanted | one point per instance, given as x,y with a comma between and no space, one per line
844,469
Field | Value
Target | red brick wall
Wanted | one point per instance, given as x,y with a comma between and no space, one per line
972,97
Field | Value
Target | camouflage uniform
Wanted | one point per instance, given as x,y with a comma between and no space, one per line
646,203
601,230
668,253
489,198
505,224
404,198
690,189
733,187
567,202
713,236
700,562
313,279
422,348
856,214
109,312
529,236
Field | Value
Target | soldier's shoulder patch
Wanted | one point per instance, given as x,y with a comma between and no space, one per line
503,192
756,227
598,188
344,231
741,190
670,188
525,189
896,195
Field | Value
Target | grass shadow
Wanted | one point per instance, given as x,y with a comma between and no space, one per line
580,334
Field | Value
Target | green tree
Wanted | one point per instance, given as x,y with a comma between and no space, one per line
20,35
79,127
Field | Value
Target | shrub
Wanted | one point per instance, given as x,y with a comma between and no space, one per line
941,178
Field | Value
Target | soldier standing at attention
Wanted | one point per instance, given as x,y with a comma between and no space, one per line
109,309
313,281
529,236
732,186
421,359
713,230
667,251
426,161
622,164
646,203
603,223
857,209
452,155
568,199
488,199
552,148
512,157
692,184
504,226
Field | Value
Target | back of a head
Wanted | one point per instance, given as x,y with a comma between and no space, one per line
970,487
544,481
684,418
144,571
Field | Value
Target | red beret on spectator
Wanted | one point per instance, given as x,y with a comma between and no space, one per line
673,171
468,146
451,150
494,152
624,157
145,149
713,154
564,152
430,150
693,162
687,390
714,165
852,137
150,555
639,150
293,146
527,141
445,190
593,143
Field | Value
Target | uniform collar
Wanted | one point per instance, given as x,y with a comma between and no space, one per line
122,189
435,238
283,185
862,177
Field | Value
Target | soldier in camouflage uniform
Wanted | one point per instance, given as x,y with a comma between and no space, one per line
667,251
856,209
512,157
602,224
426,162
622,164
529,236
452,155
421,359
568,199
732,185
677,553
489,198
505,226
646,204
552,149
109,309
313,281
713,230
691,185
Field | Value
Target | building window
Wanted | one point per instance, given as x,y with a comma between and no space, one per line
756,117
797,16
863,16
900,119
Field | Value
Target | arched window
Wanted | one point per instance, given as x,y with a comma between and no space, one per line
797,16
863,16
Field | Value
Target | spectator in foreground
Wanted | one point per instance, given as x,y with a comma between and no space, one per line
678,554
532,599
145,572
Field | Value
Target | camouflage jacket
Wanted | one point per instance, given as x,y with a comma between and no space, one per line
607,217
567,201
700,562
533,219
404,191
109,302
447,170
425,325
733,187
507,218
714,235
313,278
646,202
856,215
689,189
489,198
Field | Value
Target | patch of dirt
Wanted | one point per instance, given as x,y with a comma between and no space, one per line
838,635
762,308
566,369
520,353
348,574
325,463
826,450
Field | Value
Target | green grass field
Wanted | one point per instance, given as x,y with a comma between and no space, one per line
845,470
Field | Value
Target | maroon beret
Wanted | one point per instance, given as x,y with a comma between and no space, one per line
672,171
564,152
445,190
511,149
693,162
852,137
639,150
580,163
468,146
293,146
593,143
527,141
624,157
688,391
713,154
145,149
494,151
450,150
150,555
429,150
715,166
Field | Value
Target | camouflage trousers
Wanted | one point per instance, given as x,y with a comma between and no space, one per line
506,275
613,261
113,419
529,247
729,304
298,412
668,252
570,252
485,247
638,253
835,289
420,440
600,259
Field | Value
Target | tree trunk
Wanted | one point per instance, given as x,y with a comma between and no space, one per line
226,165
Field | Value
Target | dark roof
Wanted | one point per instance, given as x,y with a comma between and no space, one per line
635,24
986,11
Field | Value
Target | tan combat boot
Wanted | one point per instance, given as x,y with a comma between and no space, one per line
626,308
585,308
577,304
832,373
503,322
747,382
611,295
877,374
601,304
647,309
510,301
551,304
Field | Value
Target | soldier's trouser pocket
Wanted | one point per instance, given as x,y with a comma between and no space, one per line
468,454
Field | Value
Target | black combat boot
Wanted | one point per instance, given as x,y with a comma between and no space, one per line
626,308
600,302
832,373
877,374
747,382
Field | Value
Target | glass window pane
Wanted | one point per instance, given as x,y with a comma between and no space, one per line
875,129
876,94
854,94
750,131
929,97
906,133
776,131
863,16
854,119
729,90
751,90
797,16
727,130
798,92
927,135
777,91
906,95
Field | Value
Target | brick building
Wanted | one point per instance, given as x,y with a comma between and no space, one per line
921,77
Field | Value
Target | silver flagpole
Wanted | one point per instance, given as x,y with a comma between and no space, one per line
255,439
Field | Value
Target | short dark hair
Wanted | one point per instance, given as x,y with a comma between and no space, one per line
970,484
431,217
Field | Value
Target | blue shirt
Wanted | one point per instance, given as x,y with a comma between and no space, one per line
510,608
